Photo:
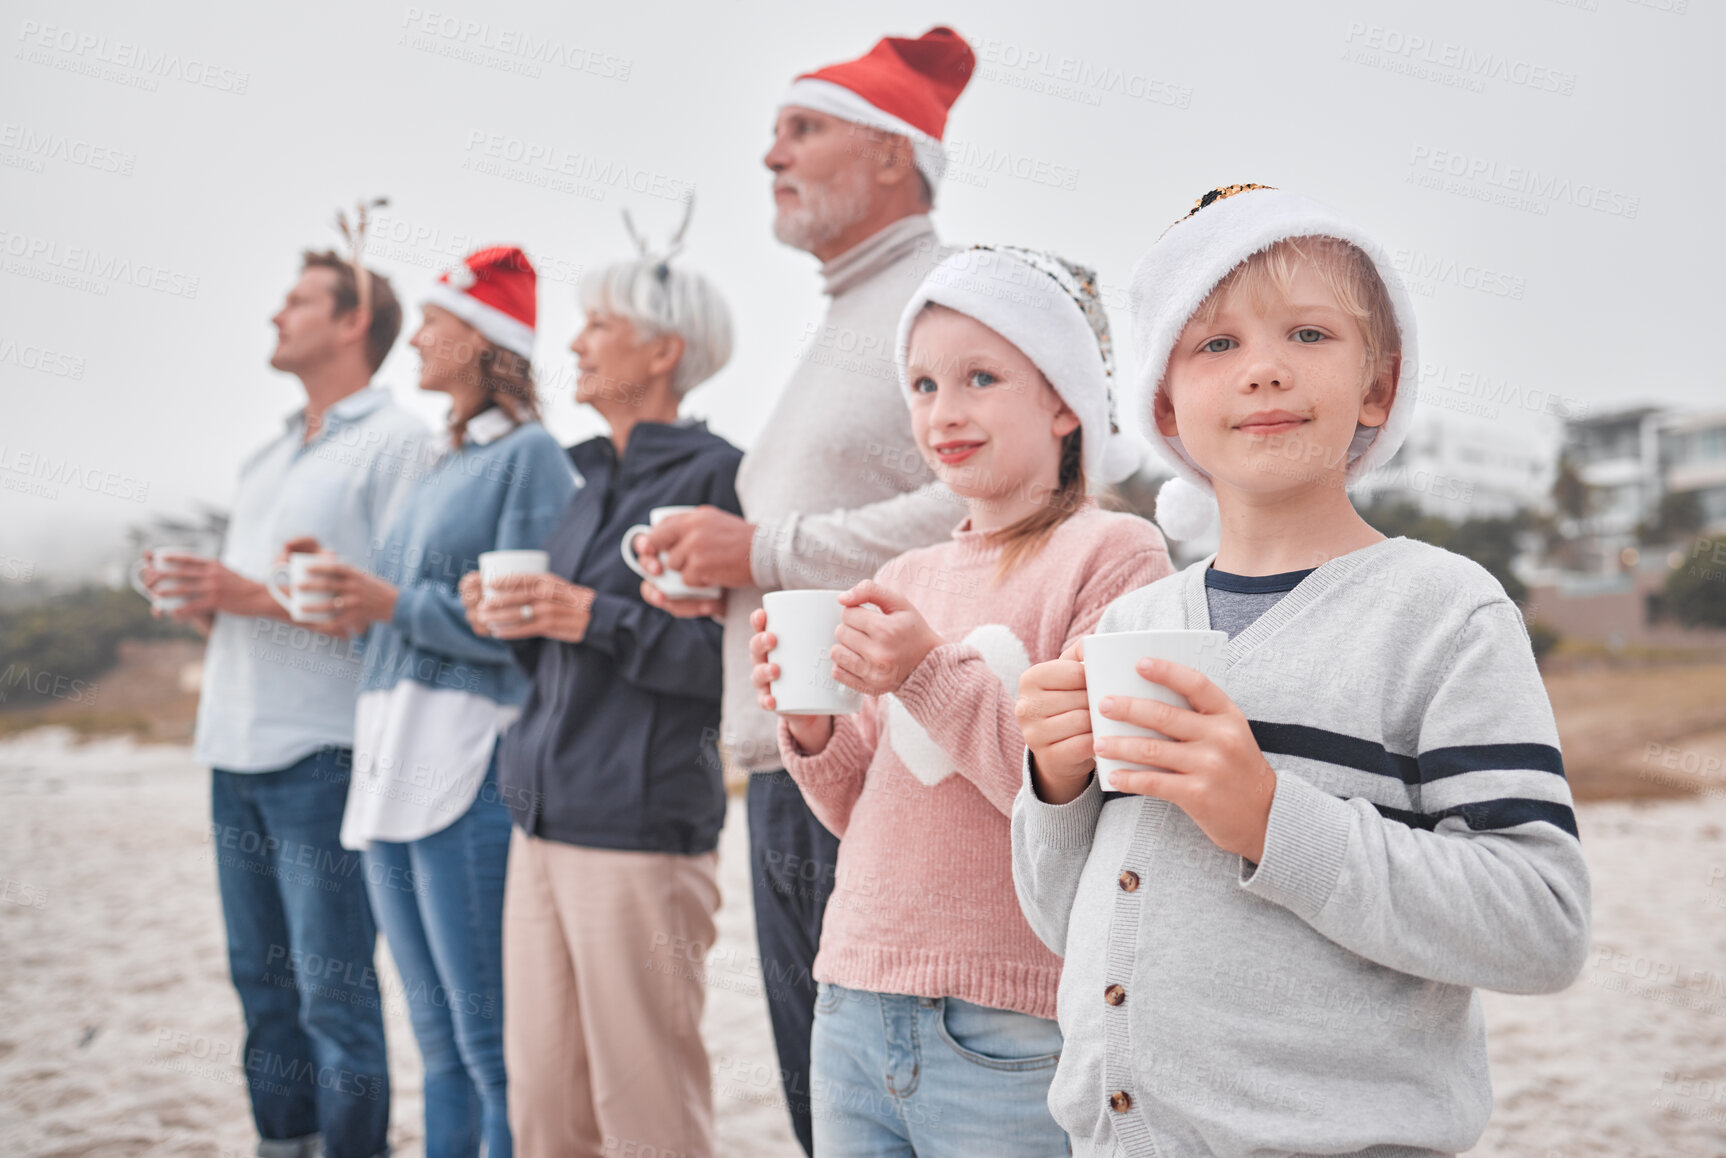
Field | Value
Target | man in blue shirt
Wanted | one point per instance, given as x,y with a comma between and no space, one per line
276,724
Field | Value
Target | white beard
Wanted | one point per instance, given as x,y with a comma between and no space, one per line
824,211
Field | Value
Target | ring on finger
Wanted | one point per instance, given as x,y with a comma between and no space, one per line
526,612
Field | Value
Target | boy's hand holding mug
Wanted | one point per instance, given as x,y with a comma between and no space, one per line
1209,766
1054,713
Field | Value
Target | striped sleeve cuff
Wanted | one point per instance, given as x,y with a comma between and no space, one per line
1072,825
1304,847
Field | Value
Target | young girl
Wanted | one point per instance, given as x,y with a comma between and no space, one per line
934,1028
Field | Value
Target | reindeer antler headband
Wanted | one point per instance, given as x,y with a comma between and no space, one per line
662,268
356,239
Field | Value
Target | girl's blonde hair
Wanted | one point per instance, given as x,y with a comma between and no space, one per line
1021,541
1347,272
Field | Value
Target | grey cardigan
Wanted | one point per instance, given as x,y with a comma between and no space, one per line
1421,844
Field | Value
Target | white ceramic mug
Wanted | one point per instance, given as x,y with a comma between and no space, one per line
163,559
670,583
804,622
494,565
286,581
1111,661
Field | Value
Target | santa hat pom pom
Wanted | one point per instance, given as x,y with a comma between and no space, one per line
1123,454
1184,511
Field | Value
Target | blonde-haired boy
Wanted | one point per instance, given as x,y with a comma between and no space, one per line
1272,944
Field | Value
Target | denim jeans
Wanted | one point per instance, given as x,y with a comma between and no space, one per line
792,860
931,1076
439,901
300,940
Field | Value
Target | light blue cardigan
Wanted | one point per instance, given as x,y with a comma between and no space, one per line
506,494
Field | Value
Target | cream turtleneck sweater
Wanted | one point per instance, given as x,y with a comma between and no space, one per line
834,483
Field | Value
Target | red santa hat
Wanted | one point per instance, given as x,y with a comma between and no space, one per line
900,86
494,291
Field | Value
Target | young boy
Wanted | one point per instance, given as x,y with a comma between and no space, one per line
1272,942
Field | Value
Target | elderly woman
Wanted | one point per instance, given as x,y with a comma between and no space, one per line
612,772
434,696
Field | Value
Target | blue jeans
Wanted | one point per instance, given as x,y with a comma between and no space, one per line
439,900
930,1076
300,940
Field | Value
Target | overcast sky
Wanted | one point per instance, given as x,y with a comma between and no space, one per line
1548,173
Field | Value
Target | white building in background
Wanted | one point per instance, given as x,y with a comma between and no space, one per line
1469,469
1631,460
1463,468
1617,456
1693,460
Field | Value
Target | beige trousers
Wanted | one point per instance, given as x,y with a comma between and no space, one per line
603,984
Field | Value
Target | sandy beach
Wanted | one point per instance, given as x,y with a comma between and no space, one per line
119,1031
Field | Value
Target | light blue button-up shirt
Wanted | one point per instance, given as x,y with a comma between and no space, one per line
276,692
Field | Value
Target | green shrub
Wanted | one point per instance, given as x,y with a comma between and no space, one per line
1695,591
73,636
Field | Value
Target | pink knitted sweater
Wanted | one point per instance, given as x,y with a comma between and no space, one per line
919,786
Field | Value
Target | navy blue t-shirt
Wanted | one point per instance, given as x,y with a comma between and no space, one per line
1236,601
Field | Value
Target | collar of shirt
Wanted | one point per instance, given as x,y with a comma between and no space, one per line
350,409
486,427
489,425
878,251
1254,584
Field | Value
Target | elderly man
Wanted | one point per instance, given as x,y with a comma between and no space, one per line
834,486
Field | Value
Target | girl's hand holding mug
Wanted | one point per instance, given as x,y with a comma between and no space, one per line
881,639
810,732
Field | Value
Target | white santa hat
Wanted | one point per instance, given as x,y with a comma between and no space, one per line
1049,308
902,86
1224,228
